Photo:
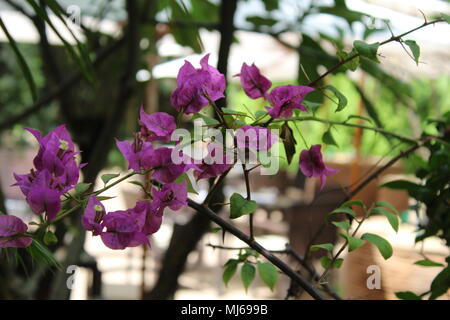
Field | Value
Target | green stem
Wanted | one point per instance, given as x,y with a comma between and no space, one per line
353,125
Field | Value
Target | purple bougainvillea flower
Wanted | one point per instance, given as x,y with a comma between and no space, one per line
156,126
124,229
135,153
23,181
11,229
172,195
253,82
216,162
256,138
312,165
285,99
42,198
197,86
57,156
165,170
93,216
153,219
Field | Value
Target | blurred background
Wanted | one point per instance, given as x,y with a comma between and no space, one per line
92,64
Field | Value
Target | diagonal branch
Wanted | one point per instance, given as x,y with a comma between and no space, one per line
311,289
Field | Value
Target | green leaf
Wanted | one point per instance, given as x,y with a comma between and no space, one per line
351,65
326,246
137,183
50,238
240,206
386,205
108,177
428,263
392,218
440,284
189,36
268,274
185,177
287,136
261,21
229,271
248,273
312,106
415,49
345,210
353,203
82,188
342,224
41,254
21,60
353,243
209,121
445,17
367,50
328,138
325,262
407,295
104,198
401,185
342,100
270,5
260,114
215,230
382,244
338,263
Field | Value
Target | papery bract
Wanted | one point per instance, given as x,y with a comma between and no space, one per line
164,169
135,153
285,99
312,165
196,87
42,197
156,126
124,229
216,162
11,228
153,219
255,85
172,195
93,216
256,138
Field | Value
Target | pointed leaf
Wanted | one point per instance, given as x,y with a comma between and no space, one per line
326,246
342,100
229,271
108,177
382,244
248,273
392,218
240,206
328,138
342,224
407,295
367,50
415,49
428,263
353,243
268,274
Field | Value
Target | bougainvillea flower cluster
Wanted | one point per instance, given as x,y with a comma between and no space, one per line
56,171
